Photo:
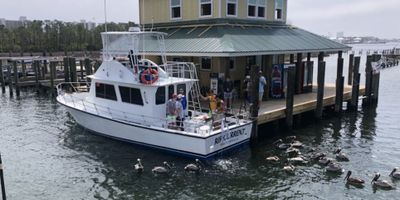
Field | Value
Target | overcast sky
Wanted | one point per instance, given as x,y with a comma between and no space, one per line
353,17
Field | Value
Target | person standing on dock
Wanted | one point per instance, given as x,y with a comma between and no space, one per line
262,84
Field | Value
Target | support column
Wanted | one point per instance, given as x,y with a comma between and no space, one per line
66,69
72,68
351,66
299,74
52,75
254,72
321,86
339,84
9,80
88,67
368,81
356,84
310,73
81,65
290,96
36,68
23,69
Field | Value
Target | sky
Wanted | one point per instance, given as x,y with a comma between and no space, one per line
325,17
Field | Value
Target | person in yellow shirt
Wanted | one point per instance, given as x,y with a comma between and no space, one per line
212,100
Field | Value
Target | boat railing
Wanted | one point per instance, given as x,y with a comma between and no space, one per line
70,87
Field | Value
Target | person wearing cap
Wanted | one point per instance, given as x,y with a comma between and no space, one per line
171,111
179,112
262,83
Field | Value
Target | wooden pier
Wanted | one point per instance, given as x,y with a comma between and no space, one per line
272,110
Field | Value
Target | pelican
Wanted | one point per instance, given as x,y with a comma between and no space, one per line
291,138
324,160
353,181
194,167
292,152
289,168
297,144
383,184
162,169
280,145
298,160
317,156
272,159
341,156
138,166
395,174
334,167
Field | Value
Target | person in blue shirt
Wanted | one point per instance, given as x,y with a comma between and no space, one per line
183,101
262,83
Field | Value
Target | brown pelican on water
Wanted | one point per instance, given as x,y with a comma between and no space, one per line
395,174
298,160
324,160
352,180
317,156
138,166
272,159
333,167
162,169
383,184
289,168
341,156
194,167
292,152
296,144
280,145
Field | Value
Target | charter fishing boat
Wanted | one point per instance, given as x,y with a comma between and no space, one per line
126,99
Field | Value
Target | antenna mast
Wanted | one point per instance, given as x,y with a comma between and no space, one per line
105,15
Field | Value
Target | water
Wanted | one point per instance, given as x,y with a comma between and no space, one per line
47,156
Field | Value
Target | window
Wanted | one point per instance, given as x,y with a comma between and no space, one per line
105,91
205,63
131,95
175,9
160,96
278,9
256,8
231,7
205,8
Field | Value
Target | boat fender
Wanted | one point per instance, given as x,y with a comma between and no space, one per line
149,76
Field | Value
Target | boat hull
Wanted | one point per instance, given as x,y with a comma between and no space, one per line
165,139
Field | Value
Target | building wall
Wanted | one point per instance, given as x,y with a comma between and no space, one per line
158,11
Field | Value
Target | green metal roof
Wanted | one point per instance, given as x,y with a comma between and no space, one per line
226,39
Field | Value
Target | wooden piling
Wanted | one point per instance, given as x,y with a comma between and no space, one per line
16,77
52,75
375,89
9,80
3,187
368,80
23,65
72,68
356,84
36,69
66,69
320,91
351,66
81,65
254,73
2,81
299,73
339,84
290,96
44,70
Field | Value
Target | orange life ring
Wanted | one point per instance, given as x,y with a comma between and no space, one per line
149,76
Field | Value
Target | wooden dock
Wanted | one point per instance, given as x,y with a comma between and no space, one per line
274,109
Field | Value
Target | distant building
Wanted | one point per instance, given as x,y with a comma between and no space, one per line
88,25
340,35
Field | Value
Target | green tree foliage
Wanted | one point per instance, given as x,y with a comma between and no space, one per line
52,36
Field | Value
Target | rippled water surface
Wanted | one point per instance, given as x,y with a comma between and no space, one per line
46,155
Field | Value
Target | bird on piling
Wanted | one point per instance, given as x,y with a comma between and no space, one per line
395,174
333,167
383,184
194,167
162,169
138,166
352,180
341,156
272,159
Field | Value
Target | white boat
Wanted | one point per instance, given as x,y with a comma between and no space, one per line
125,99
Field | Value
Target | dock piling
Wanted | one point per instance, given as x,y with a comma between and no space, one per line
2,81
351,66
23,65
254,97
320,90
299,73
81,65
52,75
290,97
16,77
3,188
9,80
356,84
72,68
339,84
36,69
66,69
